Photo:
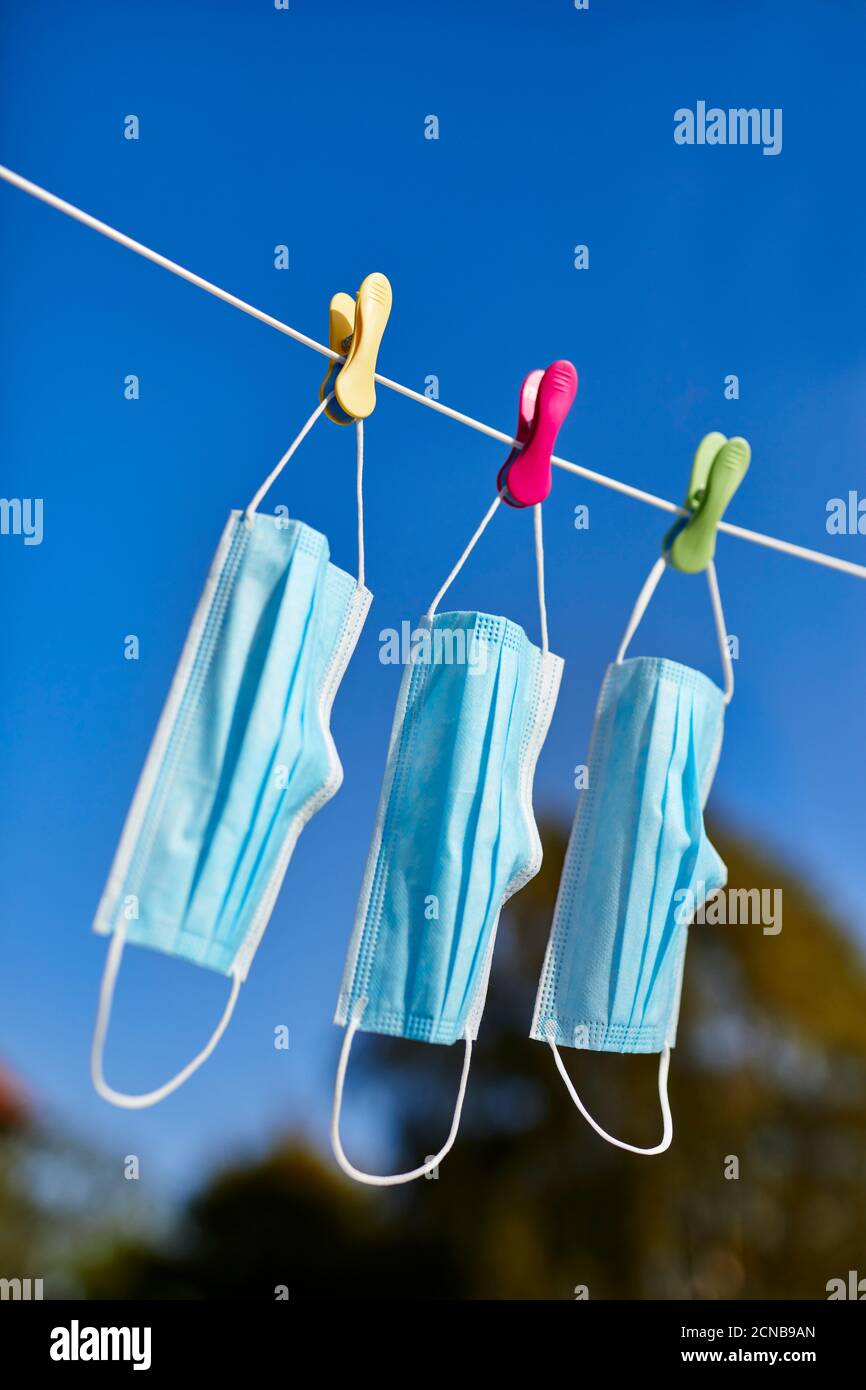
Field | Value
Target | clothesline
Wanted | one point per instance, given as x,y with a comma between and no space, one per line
817,557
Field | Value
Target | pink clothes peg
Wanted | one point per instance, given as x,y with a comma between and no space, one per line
545,400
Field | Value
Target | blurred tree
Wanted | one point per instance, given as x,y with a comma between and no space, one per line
60,1203
769,1074
287,1224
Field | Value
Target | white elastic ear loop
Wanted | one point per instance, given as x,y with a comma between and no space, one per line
275,472
640,607
103,1017
668,1130
539,565
390,1180
476,536
721,631
359,494
642,603
539,571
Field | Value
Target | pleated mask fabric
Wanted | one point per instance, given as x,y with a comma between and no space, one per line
455,835
638,855
243,755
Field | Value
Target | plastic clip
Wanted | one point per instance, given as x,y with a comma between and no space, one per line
720,464
356,327
545,400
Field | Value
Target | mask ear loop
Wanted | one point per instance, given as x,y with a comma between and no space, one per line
266,486
359,495
539,572
539,565
392,1179
668,1123
642,603
103,1017
476,536
650,585
721,631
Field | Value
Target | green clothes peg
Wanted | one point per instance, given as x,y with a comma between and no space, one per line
719,467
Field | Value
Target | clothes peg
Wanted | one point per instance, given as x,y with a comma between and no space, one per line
341,326
355,329
545,400
719,466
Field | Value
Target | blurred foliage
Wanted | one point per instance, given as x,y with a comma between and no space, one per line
770,1069
61,1205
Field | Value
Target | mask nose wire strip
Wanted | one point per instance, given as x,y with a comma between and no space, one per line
393,1179
103,1017
275,472
668,1128
642,603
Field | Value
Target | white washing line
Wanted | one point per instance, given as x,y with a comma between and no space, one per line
817,557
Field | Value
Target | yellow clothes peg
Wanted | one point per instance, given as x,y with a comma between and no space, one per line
356,328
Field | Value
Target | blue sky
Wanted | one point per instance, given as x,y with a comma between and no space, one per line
261,127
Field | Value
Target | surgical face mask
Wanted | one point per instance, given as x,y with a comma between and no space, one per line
455,837
241,760
613,971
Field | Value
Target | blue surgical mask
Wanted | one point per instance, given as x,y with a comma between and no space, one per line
241,760
455,837
638,854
